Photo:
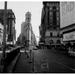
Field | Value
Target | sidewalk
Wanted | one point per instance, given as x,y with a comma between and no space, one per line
23,65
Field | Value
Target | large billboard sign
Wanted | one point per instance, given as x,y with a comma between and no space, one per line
67,13
69,36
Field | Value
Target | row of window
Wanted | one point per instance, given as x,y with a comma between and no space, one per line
51,41
51,34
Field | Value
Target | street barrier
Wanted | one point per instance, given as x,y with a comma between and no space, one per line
10,57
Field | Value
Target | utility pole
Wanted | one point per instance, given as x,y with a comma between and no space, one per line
4,34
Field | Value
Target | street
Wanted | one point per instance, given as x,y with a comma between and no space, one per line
45,61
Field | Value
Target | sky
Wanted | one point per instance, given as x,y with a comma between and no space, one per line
35,7
20,8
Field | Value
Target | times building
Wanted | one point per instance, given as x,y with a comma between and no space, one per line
27,36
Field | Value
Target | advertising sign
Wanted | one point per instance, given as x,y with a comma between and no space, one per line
69,36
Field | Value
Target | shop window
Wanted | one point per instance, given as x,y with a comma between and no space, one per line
57,35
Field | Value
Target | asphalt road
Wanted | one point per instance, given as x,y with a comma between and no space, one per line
45,61
50,61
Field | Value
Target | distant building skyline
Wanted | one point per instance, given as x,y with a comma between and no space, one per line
20,9
35,7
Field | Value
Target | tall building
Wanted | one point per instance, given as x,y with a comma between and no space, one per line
10,27
26,30
50,23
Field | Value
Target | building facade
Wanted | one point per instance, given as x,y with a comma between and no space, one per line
50,23
27,32
10,27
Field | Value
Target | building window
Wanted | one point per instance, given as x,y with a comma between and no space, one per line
54,15
50,13
51,34
51,41
57,14
50,8
57,8
55,27
57,18
57,35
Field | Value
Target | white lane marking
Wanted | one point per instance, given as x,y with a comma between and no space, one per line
44,66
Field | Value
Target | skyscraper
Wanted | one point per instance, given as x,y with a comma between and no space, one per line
50,23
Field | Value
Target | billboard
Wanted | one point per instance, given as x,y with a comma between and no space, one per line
69,36
67,13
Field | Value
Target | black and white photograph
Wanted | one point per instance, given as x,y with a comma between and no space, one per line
37,37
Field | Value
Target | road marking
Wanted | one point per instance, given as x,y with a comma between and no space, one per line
44,65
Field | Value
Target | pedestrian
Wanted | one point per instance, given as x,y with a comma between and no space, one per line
30,56
26,53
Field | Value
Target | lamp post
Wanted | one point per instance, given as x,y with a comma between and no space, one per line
4,35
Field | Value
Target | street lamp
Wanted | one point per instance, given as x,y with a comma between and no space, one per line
4,36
